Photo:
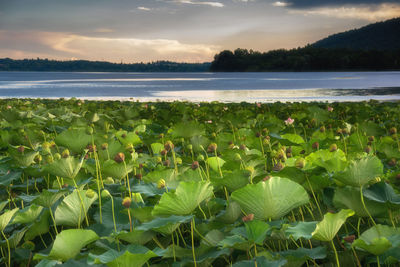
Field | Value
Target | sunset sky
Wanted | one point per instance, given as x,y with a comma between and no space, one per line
177,30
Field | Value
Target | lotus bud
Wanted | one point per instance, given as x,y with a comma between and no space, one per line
248,217
169,146
105,194
21,149
90,193
266,140
195,165
89,130
166,163
189,147
200,157
57,156
65,153
237,157
300,163
393,130
159,159
333,148
264,131
120,157
46,146
38,158
161,135
250,169
212,148
378,179
29,245
104,146
201,147
288,155
126,202
137,198
161,183
315,145
108,180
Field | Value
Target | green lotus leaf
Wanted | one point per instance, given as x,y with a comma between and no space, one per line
212,238
188,129
317,253
383,193
111,168
164,225
23,159
156,148
257,231
39,227
230,214
75,140
128,138
14,239
133,256
70,212
48,197
28,214
261,261
6,217
69,242
301,230
64,167
272,199
3,204
137,236
331,161
148,189
350,198
233,180
293,138
184,200
153,177
235,241
330,225
378,239
360,172
9,177
214,162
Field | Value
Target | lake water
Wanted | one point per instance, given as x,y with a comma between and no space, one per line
223,87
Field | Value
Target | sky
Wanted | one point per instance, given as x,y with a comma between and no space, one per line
177,30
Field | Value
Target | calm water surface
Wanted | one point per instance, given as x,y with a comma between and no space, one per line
224,87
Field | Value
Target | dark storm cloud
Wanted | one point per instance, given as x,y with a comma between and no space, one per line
305,4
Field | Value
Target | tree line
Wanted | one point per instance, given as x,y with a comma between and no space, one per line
308,58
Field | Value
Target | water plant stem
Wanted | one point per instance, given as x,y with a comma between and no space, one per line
8,248
336,254
193,252
365,207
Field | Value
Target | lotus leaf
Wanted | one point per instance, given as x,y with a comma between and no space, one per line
65,167
257,231
76,140
331,161
330,225
378,239
28,214
128,138
272,199
383,193
301,230
116,170
6,217
184,200
215,163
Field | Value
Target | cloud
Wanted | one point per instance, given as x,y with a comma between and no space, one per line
305,4
143,8
191,2
280,4
104,30
66,46
368,13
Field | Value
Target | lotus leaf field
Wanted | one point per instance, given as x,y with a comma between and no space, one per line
86,183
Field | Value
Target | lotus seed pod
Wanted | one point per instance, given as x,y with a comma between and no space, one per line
300,163
123,135
322,129
159,159
29,245
189,147
278,166
250,169
139,176
248,217
38,158
178,160
161,183
371,138
90,193
104,146
129,147
126,202
349,239
137,198
163,152
65,153
237,157
266,178
200,157
169,146
333,148
21,149
368,149
49,159
315,145
105,194
91,148
212,148
393,130
392,162
57,156
120,157
195,165
108,180
46,147
242,147
166,163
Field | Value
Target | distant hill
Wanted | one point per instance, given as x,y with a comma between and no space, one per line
7,64
378,36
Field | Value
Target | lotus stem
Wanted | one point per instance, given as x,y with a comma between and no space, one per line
173,246
315,198
377,261
54,221
255,254
180,233
175,164
82,203
8,248
336,254
191,231
365,207
391,218
127,180
219,167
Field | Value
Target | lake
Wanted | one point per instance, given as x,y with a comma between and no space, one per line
223,87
